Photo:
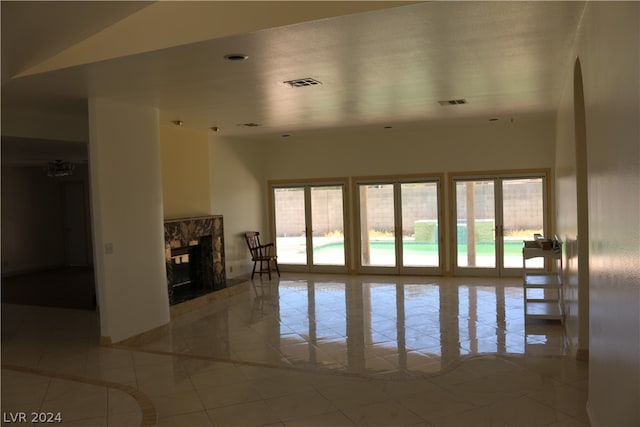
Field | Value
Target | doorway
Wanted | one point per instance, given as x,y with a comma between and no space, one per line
493,215
309,224
399,225
76,225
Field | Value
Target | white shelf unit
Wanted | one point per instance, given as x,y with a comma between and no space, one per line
547,303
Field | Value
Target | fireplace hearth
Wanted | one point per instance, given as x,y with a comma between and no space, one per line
194,250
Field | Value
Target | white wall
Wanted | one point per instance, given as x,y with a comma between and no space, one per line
608,47
126,185
528,142
572,210
238,193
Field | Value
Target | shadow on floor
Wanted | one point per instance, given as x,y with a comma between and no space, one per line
71,287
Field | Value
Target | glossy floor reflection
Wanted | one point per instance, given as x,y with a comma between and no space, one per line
399,327
307,350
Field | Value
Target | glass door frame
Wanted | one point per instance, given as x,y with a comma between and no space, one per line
498,177
397,181
307,185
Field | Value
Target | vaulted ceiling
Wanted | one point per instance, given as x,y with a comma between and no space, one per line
377,63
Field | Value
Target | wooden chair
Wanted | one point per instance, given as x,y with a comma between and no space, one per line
263,254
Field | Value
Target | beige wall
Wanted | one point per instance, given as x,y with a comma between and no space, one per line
205,174
608,47
237,188
186,190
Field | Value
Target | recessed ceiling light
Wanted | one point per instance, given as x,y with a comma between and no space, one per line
388,127
236,57
177,122
286,135
248,125
493,119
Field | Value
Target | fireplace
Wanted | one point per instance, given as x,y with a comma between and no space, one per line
194,249
189,277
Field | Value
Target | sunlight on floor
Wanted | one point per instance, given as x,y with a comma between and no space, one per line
306,350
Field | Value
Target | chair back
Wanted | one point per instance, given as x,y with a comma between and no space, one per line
253,242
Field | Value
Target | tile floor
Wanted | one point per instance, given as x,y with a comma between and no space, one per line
304,350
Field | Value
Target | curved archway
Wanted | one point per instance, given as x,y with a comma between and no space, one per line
582,352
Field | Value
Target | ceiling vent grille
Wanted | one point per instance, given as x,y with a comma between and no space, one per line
452,102
307,81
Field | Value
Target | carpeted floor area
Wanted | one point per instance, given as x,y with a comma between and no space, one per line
71,287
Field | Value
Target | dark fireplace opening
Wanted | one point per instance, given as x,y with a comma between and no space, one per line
188,267
194,256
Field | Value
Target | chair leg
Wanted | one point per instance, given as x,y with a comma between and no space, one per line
262,270
253,272
275,262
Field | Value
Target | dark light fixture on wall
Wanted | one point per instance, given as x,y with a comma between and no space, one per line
59,168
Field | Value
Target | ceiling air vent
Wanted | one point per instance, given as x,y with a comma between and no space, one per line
452,102
248,125
307,81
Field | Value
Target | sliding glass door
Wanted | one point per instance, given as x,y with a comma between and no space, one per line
523,215
493,216
399,226
419,210
291,225
327,225
476,242
310,226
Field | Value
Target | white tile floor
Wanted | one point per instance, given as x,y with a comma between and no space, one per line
305,350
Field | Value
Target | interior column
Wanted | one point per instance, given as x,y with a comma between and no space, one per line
127,218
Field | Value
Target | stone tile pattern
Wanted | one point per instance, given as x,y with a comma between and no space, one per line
180,233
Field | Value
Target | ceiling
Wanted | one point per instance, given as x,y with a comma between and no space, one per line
378,63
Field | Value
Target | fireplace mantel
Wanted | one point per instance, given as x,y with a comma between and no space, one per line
194,247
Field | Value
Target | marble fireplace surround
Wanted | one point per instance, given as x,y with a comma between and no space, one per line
184,233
